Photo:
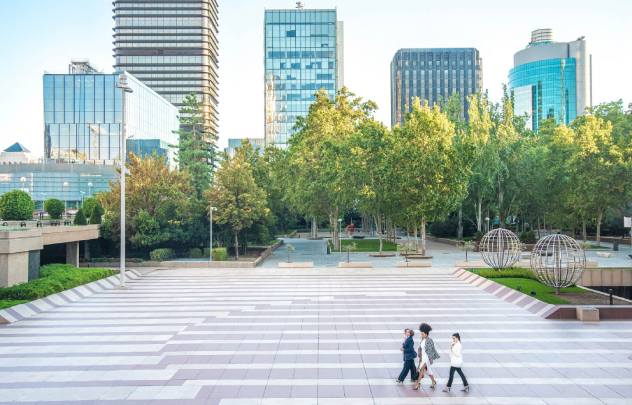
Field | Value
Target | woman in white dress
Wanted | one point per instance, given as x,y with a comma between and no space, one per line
427,355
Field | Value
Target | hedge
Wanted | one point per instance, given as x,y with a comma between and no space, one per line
161,255
516,272
219,254
54,278
195,253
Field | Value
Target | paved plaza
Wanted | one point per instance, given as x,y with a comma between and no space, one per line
304,337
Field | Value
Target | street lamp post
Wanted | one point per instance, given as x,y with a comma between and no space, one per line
82,193
65,198
23,180
339,231
487,219
90,189
211,209
122,84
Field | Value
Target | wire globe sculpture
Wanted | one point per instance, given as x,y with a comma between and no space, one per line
500,248
558,261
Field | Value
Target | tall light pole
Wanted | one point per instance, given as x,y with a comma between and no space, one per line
82,193
211,209
90,189
23,180
339,231
487,219
122,84
65,196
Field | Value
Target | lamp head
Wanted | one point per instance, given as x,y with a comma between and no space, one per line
90,184
65,184
22,179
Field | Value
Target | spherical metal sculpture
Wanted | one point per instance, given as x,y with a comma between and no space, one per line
558,261
500,248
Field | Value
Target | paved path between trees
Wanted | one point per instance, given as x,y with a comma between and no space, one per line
304,337
443,256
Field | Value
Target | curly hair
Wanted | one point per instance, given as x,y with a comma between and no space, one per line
425,328
412,332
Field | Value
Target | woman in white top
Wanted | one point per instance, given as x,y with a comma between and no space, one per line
456,362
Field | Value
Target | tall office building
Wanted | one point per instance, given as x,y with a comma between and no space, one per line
303,53
82,117
433,74
172,47
551,79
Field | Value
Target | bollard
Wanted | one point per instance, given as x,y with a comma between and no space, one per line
39,224
5,224
22,224
610,291
615,246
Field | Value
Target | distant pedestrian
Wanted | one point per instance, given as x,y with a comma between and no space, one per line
456,362
427,354
408,349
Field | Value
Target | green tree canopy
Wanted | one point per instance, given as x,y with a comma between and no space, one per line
16,205
54,207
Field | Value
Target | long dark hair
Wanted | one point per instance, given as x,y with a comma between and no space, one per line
425,328
456,335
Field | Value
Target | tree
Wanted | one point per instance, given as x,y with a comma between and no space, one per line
80,218
320,178
89,204
155,194
16,205
433,172
195,150
95,216
238,199
54,207
289,249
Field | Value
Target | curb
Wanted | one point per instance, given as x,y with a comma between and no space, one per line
533,305
24,311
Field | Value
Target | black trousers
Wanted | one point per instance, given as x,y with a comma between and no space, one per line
458,370
409,365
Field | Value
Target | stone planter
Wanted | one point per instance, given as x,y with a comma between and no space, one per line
382,255
414,264
470,264
355,265
605,254
303,265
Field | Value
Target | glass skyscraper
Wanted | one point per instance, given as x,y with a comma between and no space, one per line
171,46
82,117
551,79
433,74
303,54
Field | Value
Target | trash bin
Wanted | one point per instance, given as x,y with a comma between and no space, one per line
615,246
328,248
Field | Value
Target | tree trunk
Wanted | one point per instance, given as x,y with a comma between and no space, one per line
539,233
408,233
479,219
460,228
584,231
236,247
423,235
378,224
558,290
416,241
314,227
599,216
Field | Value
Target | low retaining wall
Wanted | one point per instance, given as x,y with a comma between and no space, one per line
606,278
299,265
293,234
617,312
414,264
363,265
23,311
197,264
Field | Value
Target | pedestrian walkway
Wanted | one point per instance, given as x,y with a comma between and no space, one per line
304,336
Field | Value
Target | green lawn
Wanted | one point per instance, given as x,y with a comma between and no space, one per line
10,303
272,242
367,245
542,291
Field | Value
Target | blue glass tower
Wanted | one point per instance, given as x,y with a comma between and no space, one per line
303,54
82,117
551,79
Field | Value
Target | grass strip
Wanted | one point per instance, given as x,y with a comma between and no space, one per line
542,291
367,245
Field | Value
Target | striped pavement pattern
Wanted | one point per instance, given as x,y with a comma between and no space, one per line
304,336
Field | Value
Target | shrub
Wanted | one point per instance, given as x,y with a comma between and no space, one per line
516,272
80,218
16,205
54,278
220,254
528,237
138,260
95,216
467,246
585,245
478,236
444,229
89,204
162,254
54,207
195,253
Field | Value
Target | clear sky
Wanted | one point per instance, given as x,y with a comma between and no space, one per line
43,35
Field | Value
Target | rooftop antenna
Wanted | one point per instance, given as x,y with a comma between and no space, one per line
300,5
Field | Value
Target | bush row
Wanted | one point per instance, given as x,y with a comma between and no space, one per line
54,278
516,272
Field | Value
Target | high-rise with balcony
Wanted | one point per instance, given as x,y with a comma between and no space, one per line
551,79
433,74
172,47
303,53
